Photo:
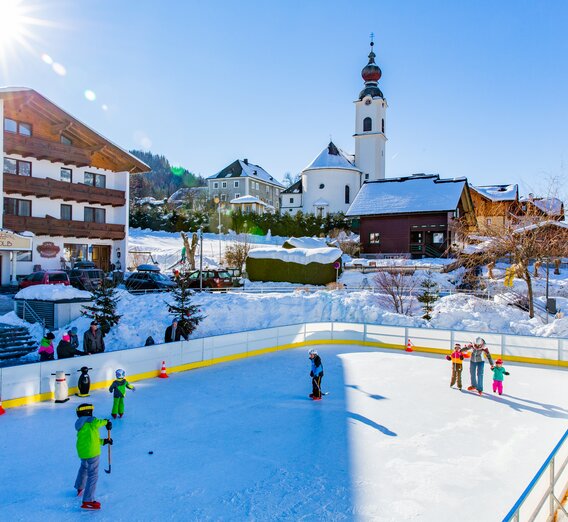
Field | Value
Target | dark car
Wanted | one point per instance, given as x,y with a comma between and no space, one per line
212,279
45,277
86,276
148,277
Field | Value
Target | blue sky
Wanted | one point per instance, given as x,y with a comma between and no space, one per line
476,89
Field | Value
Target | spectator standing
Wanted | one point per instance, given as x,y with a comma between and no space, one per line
93,341
174,332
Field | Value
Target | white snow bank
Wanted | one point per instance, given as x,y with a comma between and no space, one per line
52,293
302,256
307,242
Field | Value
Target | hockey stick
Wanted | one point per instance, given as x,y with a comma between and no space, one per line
321,393
108,470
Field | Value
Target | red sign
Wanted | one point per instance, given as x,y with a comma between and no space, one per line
48,249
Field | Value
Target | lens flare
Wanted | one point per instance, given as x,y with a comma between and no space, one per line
47,59
59,69
90,95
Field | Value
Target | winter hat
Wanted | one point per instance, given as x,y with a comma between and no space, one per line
312,352
94,323
74,330
50,335
175,320
120,374
66,338
84,410
457,345
499,361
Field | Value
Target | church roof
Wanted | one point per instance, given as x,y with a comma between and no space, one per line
296,188
331,158
244,169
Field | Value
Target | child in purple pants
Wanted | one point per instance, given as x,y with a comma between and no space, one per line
499,373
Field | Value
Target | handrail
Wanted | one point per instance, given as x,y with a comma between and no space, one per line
514,513
26,308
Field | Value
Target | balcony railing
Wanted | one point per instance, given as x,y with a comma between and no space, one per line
55,189
50,226
30,146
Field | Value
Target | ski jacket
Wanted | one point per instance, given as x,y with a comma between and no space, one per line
88,441
119,388
170,336
456,357
46,346
478,353
93,343
317,366
74,340
499,373
65,350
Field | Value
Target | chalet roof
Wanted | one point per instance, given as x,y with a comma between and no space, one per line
332,158
296,188
498,192
405,195
103,152
542,224
244,169
550,206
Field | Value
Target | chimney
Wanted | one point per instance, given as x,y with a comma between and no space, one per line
246,161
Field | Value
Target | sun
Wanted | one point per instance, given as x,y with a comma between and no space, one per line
12,22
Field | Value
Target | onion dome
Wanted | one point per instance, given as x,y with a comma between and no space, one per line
371,73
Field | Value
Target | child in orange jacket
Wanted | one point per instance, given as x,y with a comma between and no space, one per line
456,357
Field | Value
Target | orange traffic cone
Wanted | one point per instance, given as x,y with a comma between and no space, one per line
409,346
2,410
163,374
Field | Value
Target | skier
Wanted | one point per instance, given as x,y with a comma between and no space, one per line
89,450
477,364
65,349
316,374
498,375
119,388
46,348
456,357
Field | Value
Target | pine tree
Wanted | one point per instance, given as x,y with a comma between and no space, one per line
187,314
429,295
103,309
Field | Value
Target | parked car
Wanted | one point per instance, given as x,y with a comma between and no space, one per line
45,277
212,279
86,276
148,277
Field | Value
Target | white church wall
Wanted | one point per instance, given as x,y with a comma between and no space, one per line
333,191
370,145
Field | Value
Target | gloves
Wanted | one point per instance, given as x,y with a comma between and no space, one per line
108,425
507,373
448,358
461,357
106,441
311,374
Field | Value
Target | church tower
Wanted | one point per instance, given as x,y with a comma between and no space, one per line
370,111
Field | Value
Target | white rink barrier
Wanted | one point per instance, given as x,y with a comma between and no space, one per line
34,382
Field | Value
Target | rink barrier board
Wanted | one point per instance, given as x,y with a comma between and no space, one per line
26,384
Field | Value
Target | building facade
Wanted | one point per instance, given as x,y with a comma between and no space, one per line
63,185
495,205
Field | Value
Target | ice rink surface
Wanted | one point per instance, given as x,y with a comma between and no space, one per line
241,441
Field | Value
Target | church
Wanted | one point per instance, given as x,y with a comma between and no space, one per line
331,181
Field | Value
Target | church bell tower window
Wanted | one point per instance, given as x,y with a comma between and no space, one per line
383,125
368,124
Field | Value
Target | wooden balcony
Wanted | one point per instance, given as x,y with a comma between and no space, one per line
55,189
30,146
50,226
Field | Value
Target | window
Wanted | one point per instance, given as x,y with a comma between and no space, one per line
291,200
75,252
347,195
237,195
438,238
489,221
19,167
223,197
95,180
58,277
17,127
267,189
416,237
66,212
216,185
66,175
375,238
235,184
17,207
322,186
367,125
224,184
65,140
383,125
23,257
366,176
95,215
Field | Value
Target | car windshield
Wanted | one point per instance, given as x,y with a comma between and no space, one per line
159,277
94,274
224,275
58,277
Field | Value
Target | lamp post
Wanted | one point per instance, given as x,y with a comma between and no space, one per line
201,258
218,202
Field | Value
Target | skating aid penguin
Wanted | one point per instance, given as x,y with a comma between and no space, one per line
84,383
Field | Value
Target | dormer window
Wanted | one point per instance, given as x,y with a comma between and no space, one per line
17,127
367,124
65,140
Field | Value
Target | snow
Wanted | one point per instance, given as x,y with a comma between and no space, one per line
249,199
52,293
149,200
320,202
406,195
542,224
307,242
498,192
325,160
550,206
302,256
227,446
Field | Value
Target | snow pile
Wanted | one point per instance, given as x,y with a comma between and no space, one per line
498,192
52,293
307,242
301,256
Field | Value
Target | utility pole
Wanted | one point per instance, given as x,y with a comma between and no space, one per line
201,258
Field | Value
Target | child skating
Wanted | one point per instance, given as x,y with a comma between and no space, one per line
119,388
89,450
456,357
499,373
316,374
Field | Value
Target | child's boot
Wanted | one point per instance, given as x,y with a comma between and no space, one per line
113,415
91,505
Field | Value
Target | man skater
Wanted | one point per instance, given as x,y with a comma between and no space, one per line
89,450
316,374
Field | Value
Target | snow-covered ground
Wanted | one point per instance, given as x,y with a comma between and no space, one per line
241,441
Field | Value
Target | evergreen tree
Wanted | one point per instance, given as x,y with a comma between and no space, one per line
103,308
187,314
429,295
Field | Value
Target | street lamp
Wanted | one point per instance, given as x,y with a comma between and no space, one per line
218,203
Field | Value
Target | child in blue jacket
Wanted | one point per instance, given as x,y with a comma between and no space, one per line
316,374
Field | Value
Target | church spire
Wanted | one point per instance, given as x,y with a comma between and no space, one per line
371,73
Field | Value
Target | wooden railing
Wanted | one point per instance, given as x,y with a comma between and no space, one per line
55,189
30,146
50,226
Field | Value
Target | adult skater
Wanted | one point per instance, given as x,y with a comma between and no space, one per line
89,450
477,364
316,374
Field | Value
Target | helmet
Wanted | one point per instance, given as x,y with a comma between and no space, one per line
120,374
312,352
479,340
84,410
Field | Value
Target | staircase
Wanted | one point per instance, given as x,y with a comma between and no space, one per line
15,341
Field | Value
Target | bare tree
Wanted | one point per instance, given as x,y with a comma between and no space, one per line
236,254
190,248
396,290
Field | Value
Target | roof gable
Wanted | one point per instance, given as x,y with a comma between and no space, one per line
498,192
331,158
295,188
244,169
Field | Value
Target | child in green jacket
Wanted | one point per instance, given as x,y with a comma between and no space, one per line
499,373
89,450
119,388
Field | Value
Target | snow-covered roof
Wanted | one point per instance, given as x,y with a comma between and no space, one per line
296,188
149,200
550,206
52,293
307,242
498,192
302,256
182,193
418,193
248,199
542,224
331,158
245,169
320,202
